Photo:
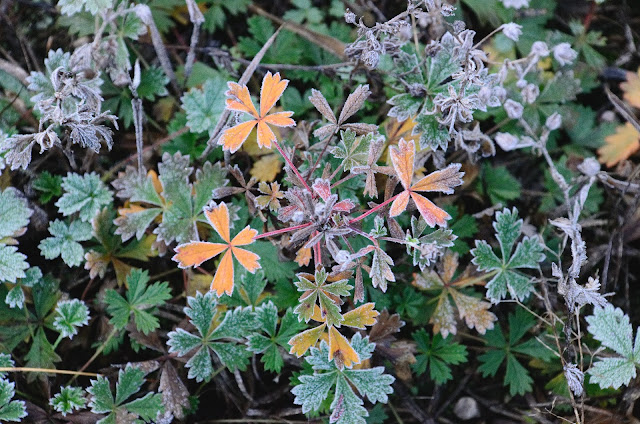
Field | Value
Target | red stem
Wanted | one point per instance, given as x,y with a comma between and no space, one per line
280,231
292,166
377,208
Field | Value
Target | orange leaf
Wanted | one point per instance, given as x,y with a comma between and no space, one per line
218,217
400,204
300,343
248,260
196,252
619,146
361,316
223,279
240,100
267,168
402,158
631,89
431,213
244,237
443,180
303,256
341,350
397,130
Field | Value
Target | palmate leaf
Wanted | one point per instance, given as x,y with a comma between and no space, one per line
353,150
12,263
70,314
130,381
139,304
325,291
222,339
437,355
69,399
503,349
10,410
85,194
170,195
65,241
527,255
268,341
346,406
611,327
205,106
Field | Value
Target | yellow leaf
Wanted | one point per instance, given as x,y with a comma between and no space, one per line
631,89
361,316
619,146
300,343
341,350
266,169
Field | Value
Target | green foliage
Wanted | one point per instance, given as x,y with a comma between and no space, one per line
498,184
347,406
85,194
10,410
130,380
70,314
223,338
527,255
139,304
49,185
180,203
437,355
317,289
611,327
14,215
270,344
69,398
71,7
504,350
204,106
66,241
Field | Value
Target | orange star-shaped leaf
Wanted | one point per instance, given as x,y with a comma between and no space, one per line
619,146
240,101
196,252
402,158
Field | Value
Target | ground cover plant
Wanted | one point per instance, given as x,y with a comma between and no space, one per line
319,211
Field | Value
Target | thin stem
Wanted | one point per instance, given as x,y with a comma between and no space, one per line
292,166
95,355
48,371
375,209
487,37
282,230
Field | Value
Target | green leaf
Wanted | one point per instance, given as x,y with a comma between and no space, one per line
10,410
274,269
141,300
498,184
70,314
69,399
65,241
611,327
205,106
353,150
14,213
236,323
318,289
85,194
41,354
49,185
12,263
347,405
527,255
71,7
153,80
437,355
130,381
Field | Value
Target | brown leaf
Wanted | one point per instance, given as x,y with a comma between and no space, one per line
175,395
360,128
385,327
317,99
354,102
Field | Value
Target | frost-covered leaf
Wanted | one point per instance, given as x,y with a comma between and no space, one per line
235,325
381,272
71,7
14,214
69,399
10,410
65,241
139,305
130,381
175,395
323,289
347,405
205,106
85,194
48,185
353,150
437,355
527,254
70,314
12,263
611,327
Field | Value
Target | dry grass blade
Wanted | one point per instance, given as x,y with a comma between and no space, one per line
622,108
